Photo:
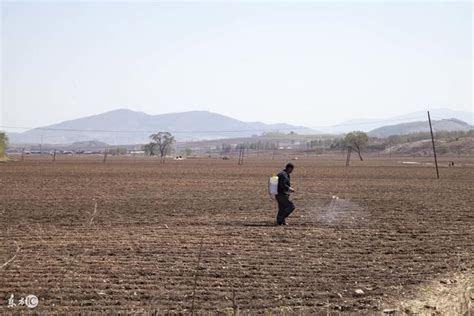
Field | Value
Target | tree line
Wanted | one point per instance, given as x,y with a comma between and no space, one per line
3,144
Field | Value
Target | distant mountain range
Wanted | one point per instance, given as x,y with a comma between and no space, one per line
120,127
421,126
367,125
129,127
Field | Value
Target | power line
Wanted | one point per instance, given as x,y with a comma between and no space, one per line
150,131
212,131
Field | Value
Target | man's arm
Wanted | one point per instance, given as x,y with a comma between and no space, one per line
289,187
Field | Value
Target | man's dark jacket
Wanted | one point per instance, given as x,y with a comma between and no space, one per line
284,183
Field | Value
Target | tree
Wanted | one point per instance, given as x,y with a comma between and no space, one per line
357,140
3,144
148,149
161,141
189,152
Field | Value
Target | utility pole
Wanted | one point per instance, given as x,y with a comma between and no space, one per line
106,152
434,148
41,145
241,155
348,159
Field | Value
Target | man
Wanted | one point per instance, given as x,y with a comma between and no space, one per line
285,206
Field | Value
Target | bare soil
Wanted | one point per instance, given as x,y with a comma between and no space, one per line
125,236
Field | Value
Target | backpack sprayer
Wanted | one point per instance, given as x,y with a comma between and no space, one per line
273,186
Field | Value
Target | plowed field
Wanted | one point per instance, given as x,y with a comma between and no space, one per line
199,235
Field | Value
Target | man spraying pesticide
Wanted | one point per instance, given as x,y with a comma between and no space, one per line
280,187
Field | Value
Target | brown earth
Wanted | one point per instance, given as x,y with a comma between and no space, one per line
125,236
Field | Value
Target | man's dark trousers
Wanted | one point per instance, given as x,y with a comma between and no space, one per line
285,207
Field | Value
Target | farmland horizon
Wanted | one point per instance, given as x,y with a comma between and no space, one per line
124,126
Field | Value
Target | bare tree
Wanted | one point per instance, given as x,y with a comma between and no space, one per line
160,141
357,140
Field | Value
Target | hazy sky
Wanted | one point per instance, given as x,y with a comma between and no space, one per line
310,63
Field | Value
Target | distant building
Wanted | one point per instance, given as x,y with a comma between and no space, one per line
137,152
